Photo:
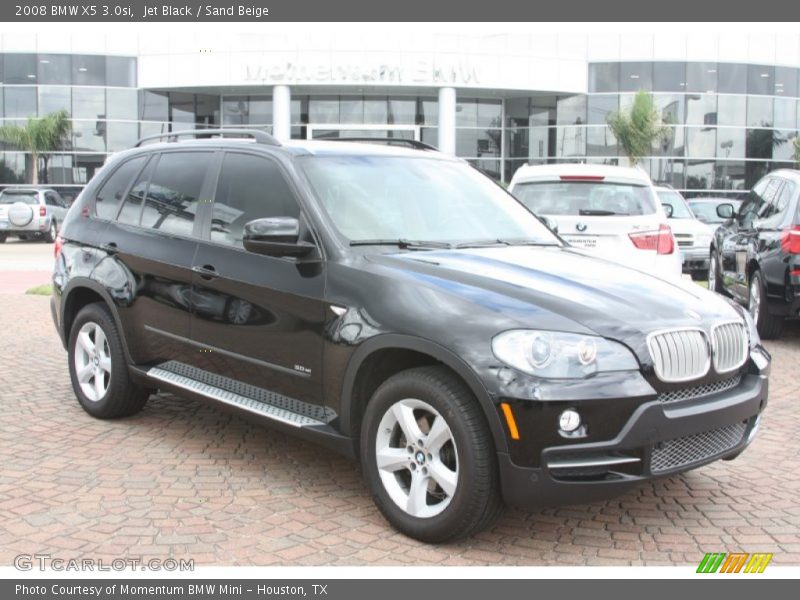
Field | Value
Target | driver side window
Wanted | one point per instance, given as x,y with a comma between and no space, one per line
249,187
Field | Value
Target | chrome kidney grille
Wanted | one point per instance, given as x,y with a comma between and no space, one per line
679,354
729,345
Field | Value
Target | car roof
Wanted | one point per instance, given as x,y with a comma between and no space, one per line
546,172
793,174
716,199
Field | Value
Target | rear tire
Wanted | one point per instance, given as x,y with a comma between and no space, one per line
769,326
98,368
52,233
438,479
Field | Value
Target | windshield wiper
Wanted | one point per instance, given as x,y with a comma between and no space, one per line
593,212
403,243
503,242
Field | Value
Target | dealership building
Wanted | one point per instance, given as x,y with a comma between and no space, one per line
500,101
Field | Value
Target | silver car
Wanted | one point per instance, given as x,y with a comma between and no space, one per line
31,213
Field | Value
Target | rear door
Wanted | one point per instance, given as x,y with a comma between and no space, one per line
597,214
150,250
257,319
771,229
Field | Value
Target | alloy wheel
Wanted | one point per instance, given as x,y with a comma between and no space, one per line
92,361
417,458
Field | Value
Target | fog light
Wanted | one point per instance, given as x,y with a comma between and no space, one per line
569,420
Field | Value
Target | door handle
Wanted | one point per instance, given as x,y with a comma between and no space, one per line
110,247
206,272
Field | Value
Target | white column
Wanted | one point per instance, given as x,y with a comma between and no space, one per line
282,112
447,120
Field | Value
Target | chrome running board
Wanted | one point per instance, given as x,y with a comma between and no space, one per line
246,397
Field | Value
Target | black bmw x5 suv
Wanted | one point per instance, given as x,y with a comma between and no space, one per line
398,306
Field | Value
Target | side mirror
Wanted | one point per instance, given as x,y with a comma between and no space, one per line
275,236
550,223
725,211
668,210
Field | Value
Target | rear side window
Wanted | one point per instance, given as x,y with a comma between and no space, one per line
587,198
249,187
109,197
173,195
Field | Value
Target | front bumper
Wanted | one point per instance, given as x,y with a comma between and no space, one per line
658,439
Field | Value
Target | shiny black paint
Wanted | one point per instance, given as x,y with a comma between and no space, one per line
746,247
310,327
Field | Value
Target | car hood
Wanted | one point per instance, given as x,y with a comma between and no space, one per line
564,289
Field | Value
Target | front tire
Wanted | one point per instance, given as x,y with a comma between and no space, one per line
97,366
428,456
769,326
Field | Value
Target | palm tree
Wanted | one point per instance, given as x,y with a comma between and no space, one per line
40,137
638,128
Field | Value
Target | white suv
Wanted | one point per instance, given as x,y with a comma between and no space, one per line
31,213
609,211
693,236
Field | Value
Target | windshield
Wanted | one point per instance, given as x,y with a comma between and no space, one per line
679,208
707,211
11,197
414,199
588,198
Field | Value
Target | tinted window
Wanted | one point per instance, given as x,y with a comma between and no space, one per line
249,187
585,198
55,69
132,209
12,197
174,192
110,195
756,204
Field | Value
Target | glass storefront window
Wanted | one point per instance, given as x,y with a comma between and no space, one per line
511,167
120,71
428,111
516,141
429,135
120,136
323,109
207,110
701,109
759,111
477,143
785,113
401,111
731,142
88,70
154,106
729,175
571,142
53,99
760,79
20,69
12,167
490,168
181,107
88,103
543,111
732,110
600,141
669,77
89,136
604,77
490,113
571,110
670,106
20,102
759,143
667,172
700,174
701,142
148,129
671,143
376,111
351,110
299,110
122,104
59,169
783,145
786,81
235,110
54,69
635,76
600,107
701,77
466,113
731,78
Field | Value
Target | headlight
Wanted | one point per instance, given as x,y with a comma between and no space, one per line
556,355
752,330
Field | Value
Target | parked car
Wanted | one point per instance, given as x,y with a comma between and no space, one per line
755,254
396,305
692,236
705,209
31,213
608,211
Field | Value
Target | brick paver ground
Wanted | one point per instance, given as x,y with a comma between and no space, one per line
182,479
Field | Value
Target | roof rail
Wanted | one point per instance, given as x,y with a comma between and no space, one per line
416,145
260,137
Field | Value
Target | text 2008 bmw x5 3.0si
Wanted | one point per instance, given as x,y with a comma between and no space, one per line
396,305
